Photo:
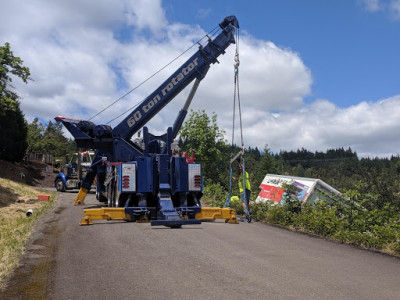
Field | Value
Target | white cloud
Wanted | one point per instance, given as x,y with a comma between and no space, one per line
395,9
391,7
368,128
145,14
273,78
270,79
80,65
371,5
203,13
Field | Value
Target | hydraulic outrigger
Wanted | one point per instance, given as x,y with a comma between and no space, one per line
132,215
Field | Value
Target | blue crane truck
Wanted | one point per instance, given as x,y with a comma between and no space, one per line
145,180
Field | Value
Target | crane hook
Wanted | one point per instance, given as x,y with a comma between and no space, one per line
237,62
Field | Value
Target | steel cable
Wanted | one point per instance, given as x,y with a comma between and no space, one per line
212,32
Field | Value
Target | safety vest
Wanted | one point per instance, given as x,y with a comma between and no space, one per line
248,187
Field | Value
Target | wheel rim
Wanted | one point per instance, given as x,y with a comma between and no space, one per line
110,196
109,200
59,185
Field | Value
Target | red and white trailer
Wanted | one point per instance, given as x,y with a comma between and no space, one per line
306,189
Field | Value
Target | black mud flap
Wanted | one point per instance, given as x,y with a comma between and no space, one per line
174,223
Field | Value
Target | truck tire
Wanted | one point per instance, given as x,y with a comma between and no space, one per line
101,198
122,200
60,185
111,195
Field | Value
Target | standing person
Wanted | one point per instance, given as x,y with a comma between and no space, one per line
244,194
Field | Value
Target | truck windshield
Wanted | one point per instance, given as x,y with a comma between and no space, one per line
86,158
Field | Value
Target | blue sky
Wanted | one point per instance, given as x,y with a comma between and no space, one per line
352,50
313,74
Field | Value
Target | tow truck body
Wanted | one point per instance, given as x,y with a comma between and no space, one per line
143,180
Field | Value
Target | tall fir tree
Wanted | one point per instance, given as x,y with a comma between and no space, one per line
13,127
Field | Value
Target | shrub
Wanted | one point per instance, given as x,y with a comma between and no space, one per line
259,210
279,215
237,205
345,222
319,219
214,195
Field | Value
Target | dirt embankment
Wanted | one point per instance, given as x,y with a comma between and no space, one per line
33,173
16,225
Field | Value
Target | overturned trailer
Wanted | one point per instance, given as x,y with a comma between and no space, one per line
310,190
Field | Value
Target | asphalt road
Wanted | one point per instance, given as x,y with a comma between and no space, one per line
214,260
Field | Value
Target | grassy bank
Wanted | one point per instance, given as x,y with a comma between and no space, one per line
15,227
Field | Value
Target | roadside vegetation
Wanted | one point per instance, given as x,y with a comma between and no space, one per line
15,226
368,216
347,222
378,229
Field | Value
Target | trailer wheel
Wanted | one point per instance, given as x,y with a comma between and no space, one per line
60,185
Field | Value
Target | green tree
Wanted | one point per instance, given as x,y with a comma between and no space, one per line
13,128
201,135
35,136
49,139
54,142
13,134
267,164
10,66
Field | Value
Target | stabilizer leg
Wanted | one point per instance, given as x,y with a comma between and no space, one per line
80,198
212,213
89,178
103,213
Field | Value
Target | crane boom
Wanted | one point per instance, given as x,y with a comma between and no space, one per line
196,66
104,138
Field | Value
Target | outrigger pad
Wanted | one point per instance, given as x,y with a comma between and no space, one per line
174,223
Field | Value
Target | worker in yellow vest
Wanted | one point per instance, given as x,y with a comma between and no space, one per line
244,194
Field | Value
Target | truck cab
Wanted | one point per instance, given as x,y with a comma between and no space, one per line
74,171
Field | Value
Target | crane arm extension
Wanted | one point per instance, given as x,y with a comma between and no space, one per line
196,66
